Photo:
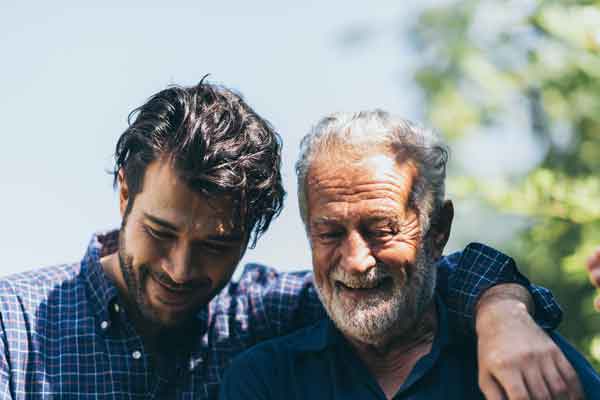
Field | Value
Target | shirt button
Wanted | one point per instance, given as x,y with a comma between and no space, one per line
136,355
117,308
104,325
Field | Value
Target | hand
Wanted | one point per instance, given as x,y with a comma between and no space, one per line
593,265
517,359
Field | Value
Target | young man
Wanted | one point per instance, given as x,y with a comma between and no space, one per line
149,313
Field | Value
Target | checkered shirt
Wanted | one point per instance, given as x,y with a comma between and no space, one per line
65,334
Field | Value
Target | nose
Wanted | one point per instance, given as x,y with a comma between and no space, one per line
180,266
356,256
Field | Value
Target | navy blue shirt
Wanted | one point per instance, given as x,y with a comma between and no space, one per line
318,363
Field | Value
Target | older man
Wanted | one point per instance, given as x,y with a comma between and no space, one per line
371,189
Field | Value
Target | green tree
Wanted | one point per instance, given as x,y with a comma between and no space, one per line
488,62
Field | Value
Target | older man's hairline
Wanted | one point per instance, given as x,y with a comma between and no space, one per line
372,132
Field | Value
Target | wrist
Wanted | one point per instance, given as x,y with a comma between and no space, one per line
502,303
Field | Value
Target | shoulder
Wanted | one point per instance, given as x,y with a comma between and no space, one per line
28,290
307,339
590,380
260,284
260,276
278,351
265,369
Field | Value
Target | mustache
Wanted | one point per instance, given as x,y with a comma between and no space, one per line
371,277
165,280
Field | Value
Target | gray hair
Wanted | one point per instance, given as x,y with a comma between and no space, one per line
377,129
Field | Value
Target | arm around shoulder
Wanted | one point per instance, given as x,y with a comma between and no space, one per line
470,273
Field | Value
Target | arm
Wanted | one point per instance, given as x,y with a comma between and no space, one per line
517,359
278,303
464,276
488,296
593,266
5,392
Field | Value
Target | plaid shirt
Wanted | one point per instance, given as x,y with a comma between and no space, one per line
64,332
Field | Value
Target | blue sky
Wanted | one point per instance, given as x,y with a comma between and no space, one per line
71,74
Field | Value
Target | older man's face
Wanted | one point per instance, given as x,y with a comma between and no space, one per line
373,273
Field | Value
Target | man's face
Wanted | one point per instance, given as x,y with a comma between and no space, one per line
373,272
177,247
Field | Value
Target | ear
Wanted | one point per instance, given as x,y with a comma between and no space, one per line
123,193
440,228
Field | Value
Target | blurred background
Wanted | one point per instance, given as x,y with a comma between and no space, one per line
513,86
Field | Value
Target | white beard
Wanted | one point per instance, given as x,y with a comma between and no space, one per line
386,313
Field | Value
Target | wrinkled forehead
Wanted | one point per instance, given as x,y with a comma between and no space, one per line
363,159
373,181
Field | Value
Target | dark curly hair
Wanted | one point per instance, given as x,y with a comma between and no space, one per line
216,143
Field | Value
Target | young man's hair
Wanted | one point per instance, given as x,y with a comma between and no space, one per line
216,144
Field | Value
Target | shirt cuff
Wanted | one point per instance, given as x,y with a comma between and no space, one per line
481,267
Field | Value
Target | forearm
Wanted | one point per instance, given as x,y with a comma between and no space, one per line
515,356
496,304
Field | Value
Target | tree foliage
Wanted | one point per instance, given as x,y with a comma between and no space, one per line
490,66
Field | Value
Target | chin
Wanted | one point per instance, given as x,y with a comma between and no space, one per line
171,321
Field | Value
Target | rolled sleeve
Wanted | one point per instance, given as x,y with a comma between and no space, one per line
476,269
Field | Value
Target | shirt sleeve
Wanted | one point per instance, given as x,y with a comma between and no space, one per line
464,276
5,392
278,303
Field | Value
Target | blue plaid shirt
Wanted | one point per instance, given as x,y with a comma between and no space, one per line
64,332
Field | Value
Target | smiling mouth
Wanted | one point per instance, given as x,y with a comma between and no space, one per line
366,287
175,296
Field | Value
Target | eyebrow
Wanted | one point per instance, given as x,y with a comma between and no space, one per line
324,220
225,237
232,237
380,216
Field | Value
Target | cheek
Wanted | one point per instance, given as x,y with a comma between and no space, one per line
398,250
322,259
141,246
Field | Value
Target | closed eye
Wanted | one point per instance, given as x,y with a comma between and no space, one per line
160,235
330,235
382,234
379,233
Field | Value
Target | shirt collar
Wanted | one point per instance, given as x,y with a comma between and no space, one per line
101,291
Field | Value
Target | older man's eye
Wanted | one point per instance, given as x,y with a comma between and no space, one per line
380,234
330,235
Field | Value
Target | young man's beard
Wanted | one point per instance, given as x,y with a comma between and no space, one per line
135,281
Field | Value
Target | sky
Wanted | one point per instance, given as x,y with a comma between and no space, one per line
72,73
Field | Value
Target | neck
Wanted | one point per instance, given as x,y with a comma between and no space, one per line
392,360
147,330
